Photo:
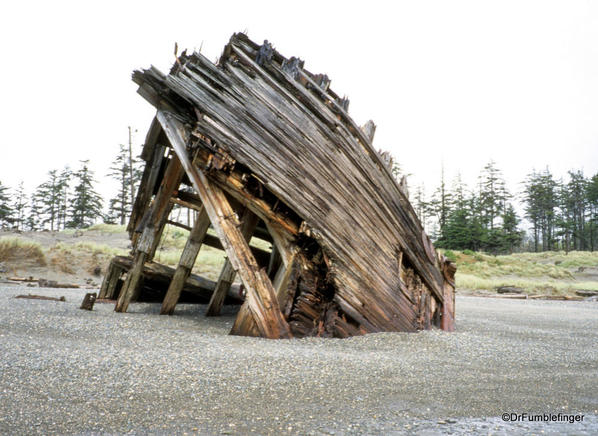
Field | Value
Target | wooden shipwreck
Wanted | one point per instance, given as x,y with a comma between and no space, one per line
268,148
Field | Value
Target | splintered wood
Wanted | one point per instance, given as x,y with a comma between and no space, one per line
257,135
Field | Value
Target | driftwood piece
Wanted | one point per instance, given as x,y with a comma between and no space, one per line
88,301
509,290
586,293
40,297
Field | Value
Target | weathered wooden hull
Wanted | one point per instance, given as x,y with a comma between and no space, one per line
259,131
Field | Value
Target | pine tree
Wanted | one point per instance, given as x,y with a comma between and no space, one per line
33,221
49,194
64,181
86,207
126,171
440,205
592,196
120,205
493,195
541,200
19,207
421,206
5,209
511,237
577,203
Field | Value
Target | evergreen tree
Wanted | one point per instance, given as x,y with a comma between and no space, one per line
34,219
421,206
541,201
49,194
120,206
577,203
86,206
19,207
64,181
511,237
592,196
493,195
440,205
5,209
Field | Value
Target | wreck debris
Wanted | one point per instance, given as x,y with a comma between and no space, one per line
268,148
41,297
88,301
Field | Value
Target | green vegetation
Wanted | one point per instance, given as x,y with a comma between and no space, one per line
22,250
544,273
107,228
562,214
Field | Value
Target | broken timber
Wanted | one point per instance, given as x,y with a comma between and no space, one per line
257,135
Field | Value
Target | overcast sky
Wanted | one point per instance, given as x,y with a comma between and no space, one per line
459,82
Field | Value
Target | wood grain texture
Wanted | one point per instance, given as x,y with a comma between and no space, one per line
272,130
260,295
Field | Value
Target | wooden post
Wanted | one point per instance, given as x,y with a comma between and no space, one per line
153,228
274,261
227,275
145,191
159,230
261,296
244,323
447,322
113,282
88,301
107,276
110,280
186,262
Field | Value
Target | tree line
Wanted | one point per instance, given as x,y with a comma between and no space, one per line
562,214
69,198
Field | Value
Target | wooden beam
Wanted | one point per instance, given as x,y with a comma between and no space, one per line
152,230
186,262
248,223
157,277
262,256
146,189
447,321
287,252
192,201
260,294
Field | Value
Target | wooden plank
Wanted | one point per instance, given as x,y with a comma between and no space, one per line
110,281
146,188
448,306
248,223
153,229
260,295
131,284
186,262
157,277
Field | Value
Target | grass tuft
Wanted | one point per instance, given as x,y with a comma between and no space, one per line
18,249
547,273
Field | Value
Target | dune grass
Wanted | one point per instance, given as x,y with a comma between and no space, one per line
16,249
551,273
107,228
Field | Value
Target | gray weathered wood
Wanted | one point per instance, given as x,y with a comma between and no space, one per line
260,295
186,262
227,274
